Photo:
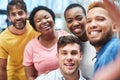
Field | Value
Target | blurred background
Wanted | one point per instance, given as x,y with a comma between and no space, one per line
58,6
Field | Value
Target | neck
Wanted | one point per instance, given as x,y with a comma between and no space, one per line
74,76
49,37
15,31
83,38
97,48
48,40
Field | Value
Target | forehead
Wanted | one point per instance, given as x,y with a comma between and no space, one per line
42,12
75,11
97,11
15,8
71,46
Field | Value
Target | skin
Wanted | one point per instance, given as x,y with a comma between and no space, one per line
69,58
113,10
18,18
75,20
111,71
99,27
43,22
45,25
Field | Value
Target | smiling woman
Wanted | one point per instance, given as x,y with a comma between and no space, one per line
41,52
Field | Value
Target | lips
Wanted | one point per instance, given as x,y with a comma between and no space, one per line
45,26
69,65
76,29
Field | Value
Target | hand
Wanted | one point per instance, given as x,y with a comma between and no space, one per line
113,10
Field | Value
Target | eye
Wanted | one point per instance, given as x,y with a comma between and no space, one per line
74,52
88,21
37,20
100,18
46,16
13,14
69,20
64,53
20,13
79,18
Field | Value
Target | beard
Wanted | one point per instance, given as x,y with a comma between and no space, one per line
103,40
19,26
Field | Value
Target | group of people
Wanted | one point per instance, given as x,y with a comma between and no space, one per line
31,48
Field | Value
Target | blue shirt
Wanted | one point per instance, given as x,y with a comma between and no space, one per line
107,53
55,75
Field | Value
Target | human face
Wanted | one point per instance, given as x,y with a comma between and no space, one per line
18,17
43,21
75,20
99,26
69,58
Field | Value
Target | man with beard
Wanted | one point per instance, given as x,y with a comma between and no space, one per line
100,29
112,70
75,16
13,41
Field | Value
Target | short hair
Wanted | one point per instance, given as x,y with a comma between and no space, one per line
73,5
68,39
96,4
36,9
19,3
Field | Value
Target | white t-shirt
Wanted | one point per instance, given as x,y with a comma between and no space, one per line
87,64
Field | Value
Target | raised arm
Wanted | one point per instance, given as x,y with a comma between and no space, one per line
110,72
113,10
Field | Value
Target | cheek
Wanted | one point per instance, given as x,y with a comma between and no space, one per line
68,26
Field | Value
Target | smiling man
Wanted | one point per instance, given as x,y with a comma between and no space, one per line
69,58
100,30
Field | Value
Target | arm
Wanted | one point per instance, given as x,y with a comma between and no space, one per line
110,72
113,10
31,72
3,72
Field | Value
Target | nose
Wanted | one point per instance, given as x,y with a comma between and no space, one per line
75,23
18,16
93,24
44,20
69,57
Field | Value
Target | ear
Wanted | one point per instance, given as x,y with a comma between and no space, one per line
81,55
9,19
114,27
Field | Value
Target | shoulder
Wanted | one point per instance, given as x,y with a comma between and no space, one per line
63,32
32,42
5,36
52,75
81,77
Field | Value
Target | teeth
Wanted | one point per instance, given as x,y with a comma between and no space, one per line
45,25
69,64
93,33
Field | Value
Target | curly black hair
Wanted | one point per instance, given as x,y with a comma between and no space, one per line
36,9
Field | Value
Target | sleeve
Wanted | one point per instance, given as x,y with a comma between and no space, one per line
3,51
28,55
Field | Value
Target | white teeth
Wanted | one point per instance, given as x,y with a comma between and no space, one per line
45,25
93,33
